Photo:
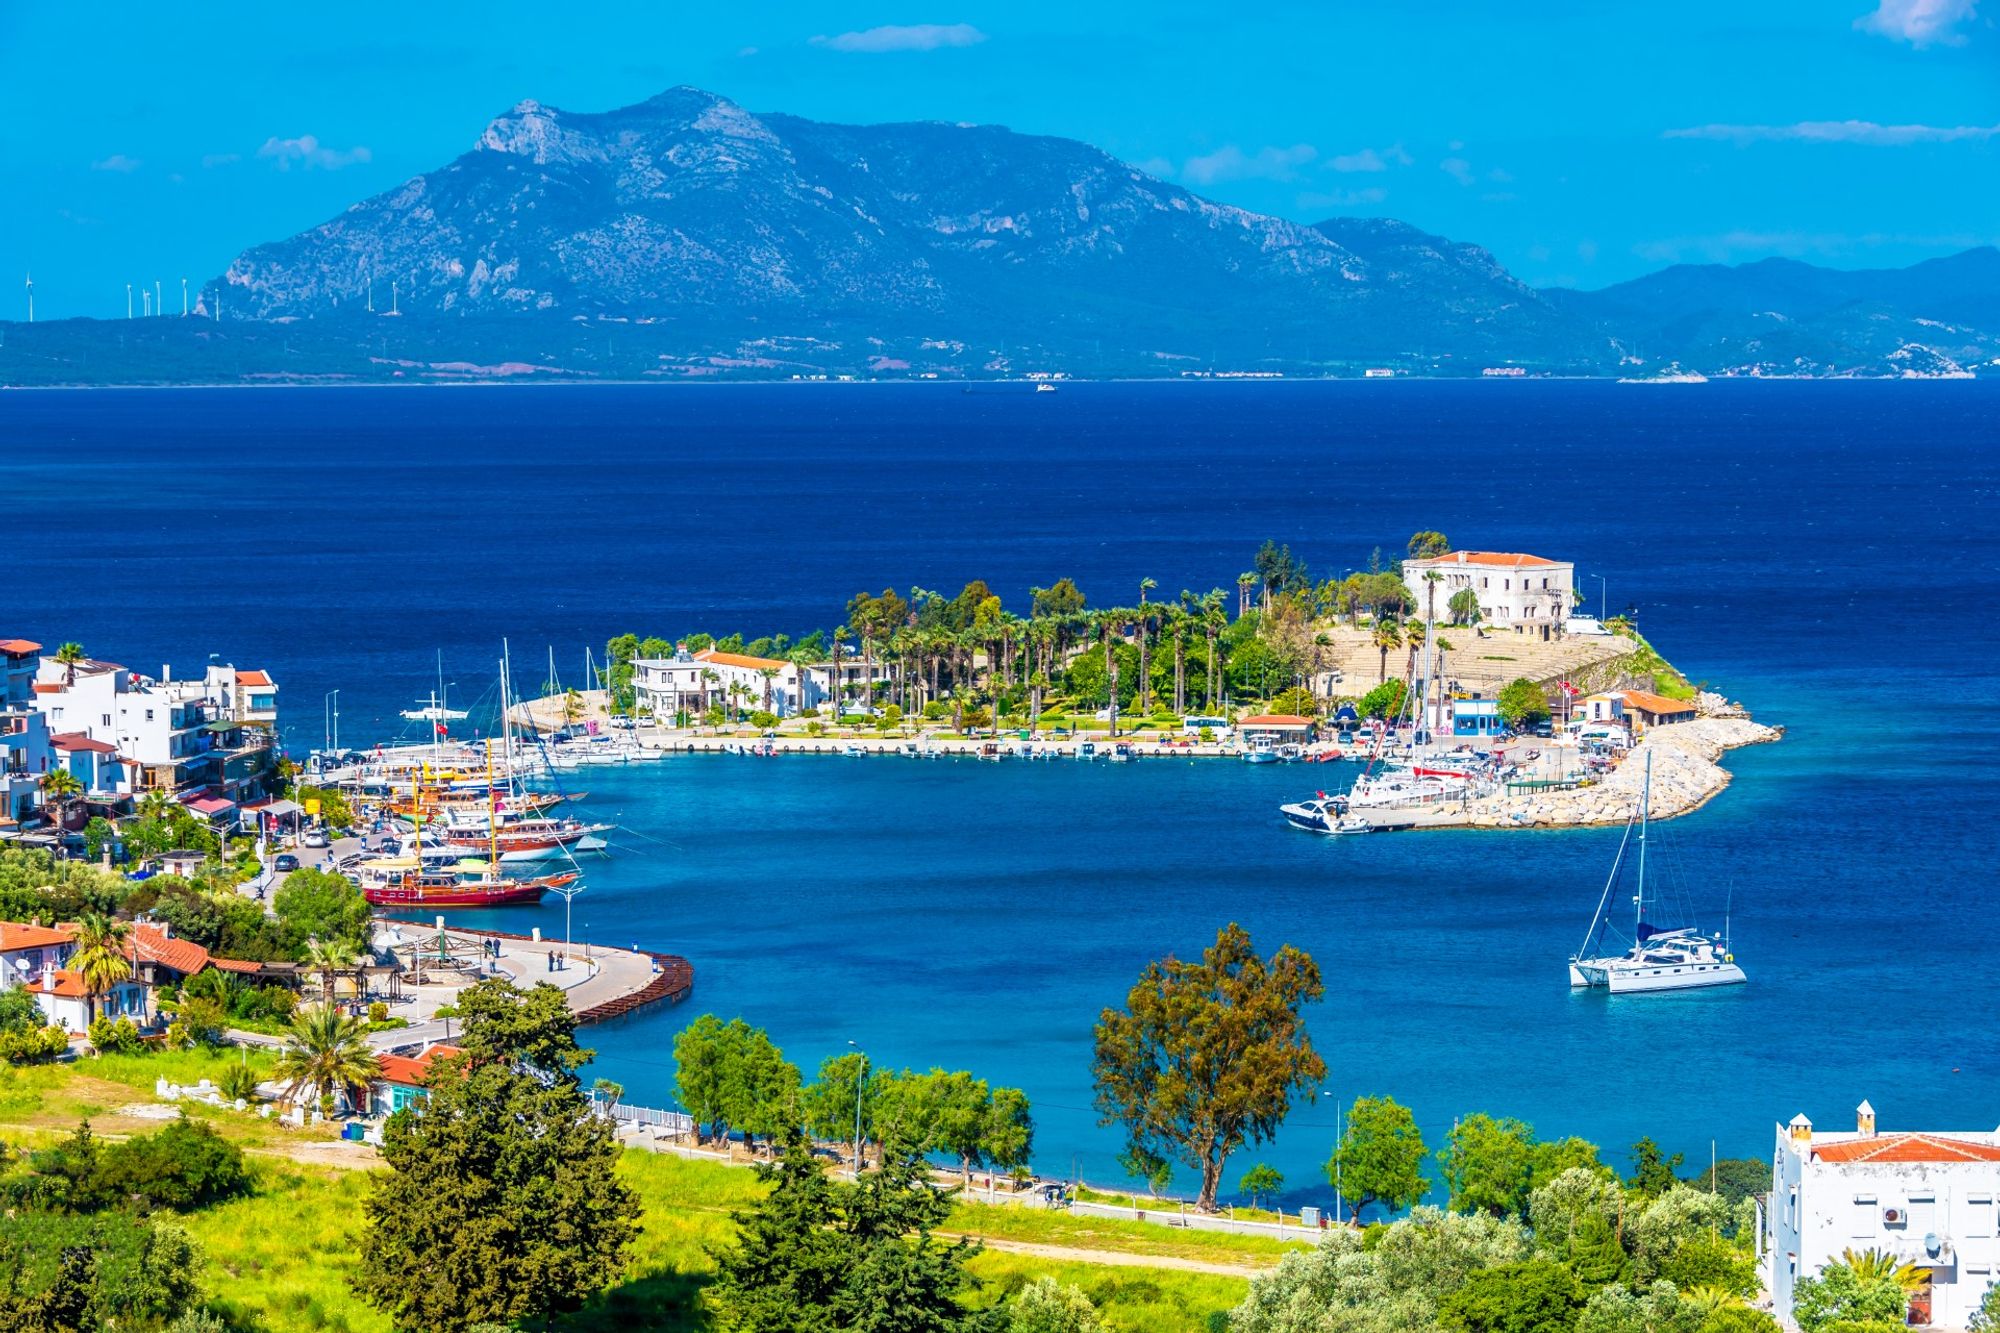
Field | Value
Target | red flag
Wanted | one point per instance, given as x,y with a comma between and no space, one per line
441,728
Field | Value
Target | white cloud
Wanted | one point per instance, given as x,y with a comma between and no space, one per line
1374,194
116,162
220,159
1919,22
1230,163
308,151
904,37
1368,159
1155,166
1458,169
1839,131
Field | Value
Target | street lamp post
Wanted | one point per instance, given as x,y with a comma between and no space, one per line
860,1082
1602,597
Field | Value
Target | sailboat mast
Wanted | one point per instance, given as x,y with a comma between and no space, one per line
1645,820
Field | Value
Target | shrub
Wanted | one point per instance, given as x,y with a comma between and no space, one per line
32,1045
120,1037
763,721
238,1083
185,1165
378,1012
934,711
1048,1306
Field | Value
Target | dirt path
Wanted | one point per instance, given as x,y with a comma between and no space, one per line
1117,1258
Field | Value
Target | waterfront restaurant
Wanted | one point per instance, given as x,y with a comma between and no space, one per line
1644,709
1282,728
1476,717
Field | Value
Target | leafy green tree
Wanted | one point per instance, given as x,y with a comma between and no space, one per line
820,1256
1986,1319
502,1202
1534,1296
1048,1306
1297,701
1653,1173
1707,1260
1463,606
315,904
1578,1217
1670,1221
1207,1056
62,1273
730,1076
1259,1181
1429,545
1737,1178
186,1165
1654,1309
1522,702
1380,1157
1385,700
1488,1165
830,1101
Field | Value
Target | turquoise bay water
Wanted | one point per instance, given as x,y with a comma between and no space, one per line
1824,552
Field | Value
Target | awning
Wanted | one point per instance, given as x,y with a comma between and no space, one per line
210,805
280,809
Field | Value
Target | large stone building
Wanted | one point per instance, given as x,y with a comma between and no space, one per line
1523,593
1929,1199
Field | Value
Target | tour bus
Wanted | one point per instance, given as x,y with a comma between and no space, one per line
1194,725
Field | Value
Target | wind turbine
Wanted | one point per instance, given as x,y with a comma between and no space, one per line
371,293
128,300
184,298
146,303
31,298
159,306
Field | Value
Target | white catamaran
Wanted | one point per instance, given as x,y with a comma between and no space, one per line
1659,960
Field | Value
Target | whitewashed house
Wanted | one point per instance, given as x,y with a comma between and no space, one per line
689,683
24,732
1524,593
1931,1199
857,683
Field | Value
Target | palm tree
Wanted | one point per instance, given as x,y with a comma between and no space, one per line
328,957
769,674
157,804
833,681
68,656
102,957
1213,621
1413,634
60,789
1244,583
1712,1300
324,1053
1388,635
1870,1266
709,678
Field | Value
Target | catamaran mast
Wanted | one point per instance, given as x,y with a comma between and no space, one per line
1645,818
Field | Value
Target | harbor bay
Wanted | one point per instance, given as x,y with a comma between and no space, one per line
1818,552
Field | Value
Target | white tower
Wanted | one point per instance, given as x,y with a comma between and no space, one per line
184,298
128,300
31,298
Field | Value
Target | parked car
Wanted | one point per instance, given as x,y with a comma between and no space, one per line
285,863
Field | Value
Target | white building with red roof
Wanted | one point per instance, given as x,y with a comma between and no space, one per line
1527,594
692,683
1931,1199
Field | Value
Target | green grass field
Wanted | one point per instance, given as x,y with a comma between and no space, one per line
282,1257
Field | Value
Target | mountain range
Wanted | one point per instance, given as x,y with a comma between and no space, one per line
688,237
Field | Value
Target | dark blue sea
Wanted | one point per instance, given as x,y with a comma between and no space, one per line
1824,552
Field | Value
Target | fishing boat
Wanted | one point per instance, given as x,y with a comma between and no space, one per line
1260,750
1659,959
1121,753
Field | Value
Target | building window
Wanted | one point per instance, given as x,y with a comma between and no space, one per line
149,715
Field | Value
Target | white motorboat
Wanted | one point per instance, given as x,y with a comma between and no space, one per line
1319,815
1679,958
1260,750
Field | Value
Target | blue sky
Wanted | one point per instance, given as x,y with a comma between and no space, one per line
1583,143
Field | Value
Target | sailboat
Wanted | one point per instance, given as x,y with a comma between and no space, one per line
1659,959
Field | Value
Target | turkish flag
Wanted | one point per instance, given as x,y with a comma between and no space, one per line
441,728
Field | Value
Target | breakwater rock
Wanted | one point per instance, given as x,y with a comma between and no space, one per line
1686,775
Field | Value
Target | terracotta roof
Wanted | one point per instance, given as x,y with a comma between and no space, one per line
1656,703
19,646
66,983
1275,720
252,678
47,687
1497,559
409,1070
14,935
77,740
235,965
1907,1148
739,659
150,942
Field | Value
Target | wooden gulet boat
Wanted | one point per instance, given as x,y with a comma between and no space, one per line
410,883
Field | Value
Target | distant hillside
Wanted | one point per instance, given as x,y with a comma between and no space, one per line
687,237
1782,315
